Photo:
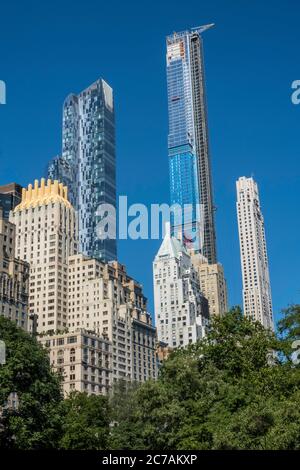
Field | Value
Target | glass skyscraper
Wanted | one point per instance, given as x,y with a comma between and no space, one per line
188,148
88,163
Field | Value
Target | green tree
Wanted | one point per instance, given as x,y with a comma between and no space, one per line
36,421
228,391
85,423
289,328
235,389
289,325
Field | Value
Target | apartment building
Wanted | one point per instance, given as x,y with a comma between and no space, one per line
212,284
181,310
14,277
68,292
83,359
87,165
104,299
257,297
46,235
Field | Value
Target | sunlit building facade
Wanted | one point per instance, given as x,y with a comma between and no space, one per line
102,298
254,259
181,310
82,359
212,284
46,235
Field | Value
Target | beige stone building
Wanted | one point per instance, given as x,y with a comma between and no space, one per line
70,292
163,351
257,296
83,359
14,277
212,284
45,237
104,299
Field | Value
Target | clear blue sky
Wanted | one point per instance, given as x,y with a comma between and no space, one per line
49,49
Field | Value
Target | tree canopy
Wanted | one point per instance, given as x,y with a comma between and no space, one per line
230,391
236,389
27,374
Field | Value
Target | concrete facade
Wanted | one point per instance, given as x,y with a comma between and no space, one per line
212,284
254,260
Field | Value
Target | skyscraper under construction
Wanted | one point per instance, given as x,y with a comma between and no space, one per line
188,146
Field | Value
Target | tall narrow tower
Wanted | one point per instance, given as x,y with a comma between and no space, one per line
188,146
88,164
254,260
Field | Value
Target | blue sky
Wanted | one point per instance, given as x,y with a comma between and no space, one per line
49,49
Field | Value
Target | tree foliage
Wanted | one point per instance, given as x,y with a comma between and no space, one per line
85,422
289,329
230,391
35,423
236,389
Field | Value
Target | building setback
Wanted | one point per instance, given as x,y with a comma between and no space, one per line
88,163
254,260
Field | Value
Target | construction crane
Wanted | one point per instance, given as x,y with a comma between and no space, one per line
201,29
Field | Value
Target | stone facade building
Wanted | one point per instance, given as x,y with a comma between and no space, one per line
83,359
212,284
181,310
14,277
46,235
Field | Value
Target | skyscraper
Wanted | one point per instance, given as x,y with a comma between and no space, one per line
254,260
88,163
181,311
46,235
188,147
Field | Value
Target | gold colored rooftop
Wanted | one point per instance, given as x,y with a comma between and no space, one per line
43,194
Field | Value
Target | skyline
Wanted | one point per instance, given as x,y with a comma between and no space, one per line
266,171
